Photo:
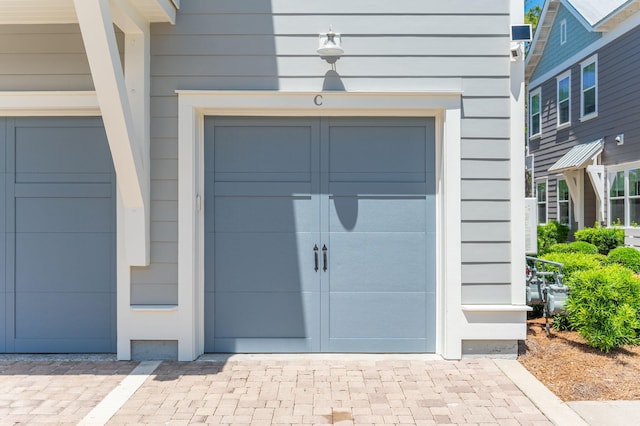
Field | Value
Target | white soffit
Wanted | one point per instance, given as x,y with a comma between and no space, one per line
63,11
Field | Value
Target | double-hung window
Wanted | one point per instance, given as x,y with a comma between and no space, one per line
616,198
624,197
589,88
564,204
564,98
534,113
541,194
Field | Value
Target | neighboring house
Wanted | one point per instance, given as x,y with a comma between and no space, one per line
200,180
583,79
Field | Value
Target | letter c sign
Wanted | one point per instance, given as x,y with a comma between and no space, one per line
318,100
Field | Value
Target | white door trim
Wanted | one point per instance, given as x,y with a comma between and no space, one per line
445,106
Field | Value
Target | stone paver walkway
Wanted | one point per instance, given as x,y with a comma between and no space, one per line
62,392
265,392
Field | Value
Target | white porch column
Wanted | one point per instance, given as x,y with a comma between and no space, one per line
127,143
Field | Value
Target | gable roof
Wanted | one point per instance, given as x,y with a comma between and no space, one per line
595,15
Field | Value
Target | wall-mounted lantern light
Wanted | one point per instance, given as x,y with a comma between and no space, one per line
329,46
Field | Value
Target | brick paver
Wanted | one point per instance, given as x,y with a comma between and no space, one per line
367,392
61,392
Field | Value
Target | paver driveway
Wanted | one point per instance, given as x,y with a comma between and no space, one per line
272,390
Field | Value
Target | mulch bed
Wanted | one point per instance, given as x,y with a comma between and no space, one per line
575,371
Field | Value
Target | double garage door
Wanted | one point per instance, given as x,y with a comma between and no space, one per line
57,236
320,235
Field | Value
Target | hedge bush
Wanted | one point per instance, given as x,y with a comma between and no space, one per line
606,239
550,234
575,262
604,306
625,256
574,247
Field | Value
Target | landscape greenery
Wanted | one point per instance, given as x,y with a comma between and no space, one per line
604,285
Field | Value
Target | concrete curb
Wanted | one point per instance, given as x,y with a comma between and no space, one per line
557,412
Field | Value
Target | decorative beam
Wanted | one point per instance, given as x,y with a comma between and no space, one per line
127,148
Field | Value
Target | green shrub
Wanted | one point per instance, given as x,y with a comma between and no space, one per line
550,234
626,256
606,239
575,247
574,262
604,306
561,322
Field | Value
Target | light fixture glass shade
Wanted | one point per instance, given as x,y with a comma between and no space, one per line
329,47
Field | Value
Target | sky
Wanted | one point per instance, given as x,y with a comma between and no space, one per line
528,4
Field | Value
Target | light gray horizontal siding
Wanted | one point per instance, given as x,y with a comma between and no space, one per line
154,294
486,252
485,231
470,7
44,57
404,45
486,294
309,23
486,190
486,273
253,45
485,169
485,210
488,149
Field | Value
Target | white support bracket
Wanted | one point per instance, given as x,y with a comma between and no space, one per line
575,184
124,105
596,175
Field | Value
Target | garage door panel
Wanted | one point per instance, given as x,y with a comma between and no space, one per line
377,315
369,198
59,254
364,214
64,214
258,149
371,262
377,149
265,262
265,214
63,315
82,262
273,314
61,150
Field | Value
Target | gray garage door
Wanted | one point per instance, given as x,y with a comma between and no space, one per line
57,232
320,235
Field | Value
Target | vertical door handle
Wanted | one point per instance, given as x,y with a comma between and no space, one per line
315,257
324,257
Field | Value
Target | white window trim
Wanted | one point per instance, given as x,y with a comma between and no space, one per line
559,78
563,32
592,60
193,106
558,201
536,92
544,180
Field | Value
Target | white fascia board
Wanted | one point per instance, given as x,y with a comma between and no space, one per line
589,50
536,36
578,15
96,26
